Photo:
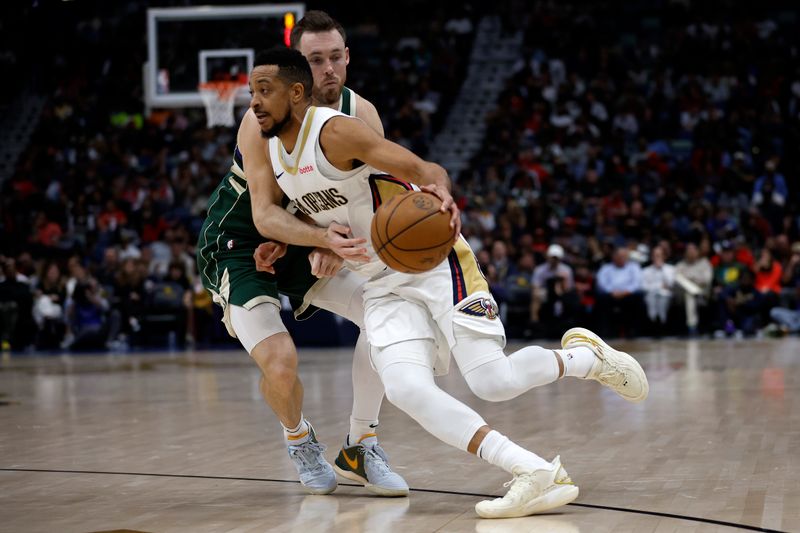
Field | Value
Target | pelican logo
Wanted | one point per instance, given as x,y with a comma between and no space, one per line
480,307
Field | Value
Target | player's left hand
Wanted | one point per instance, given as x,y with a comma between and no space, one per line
324,262
267,253
448,204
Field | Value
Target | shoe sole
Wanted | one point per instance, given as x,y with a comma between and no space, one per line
375,489
318,492
590,338
557,497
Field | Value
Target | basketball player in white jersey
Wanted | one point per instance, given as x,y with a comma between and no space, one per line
249,298
323,162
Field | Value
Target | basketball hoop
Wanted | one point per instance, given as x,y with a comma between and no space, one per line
219,98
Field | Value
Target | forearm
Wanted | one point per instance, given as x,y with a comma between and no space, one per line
275,223
431,174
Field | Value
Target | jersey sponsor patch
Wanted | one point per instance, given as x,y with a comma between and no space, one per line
480,307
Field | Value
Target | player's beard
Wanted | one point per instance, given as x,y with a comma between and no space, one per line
328,95
278,126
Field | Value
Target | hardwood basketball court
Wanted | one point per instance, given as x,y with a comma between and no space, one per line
182,442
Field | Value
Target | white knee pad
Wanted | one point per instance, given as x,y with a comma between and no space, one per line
494,376
492,382
407,373
254,325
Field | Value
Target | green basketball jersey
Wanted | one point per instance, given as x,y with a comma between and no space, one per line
229,237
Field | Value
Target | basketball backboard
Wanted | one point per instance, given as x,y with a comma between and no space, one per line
187,46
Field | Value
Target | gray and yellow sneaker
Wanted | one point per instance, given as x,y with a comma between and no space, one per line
316,474
367,463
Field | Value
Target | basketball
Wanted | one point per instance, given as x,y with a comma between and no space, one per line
410,234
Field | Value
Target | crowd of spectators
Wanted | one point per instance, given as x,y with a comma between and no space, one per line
98,223
639,175
646,160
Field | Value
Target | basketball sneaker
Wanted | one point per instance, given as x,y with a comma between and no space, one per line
616,370
316,474
531,493
368,464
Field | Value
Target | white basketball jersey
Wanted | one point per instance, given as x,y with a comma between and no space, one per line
327,194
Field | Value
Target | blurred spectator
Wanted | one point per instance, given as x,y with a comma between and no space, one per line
560,309
111,218
500,260
47,233
619,297
694,276
90,323
768,275
728,272
48,309
740,307
518,290
110,267
770,194
658,280
129,298
552,268
15,304
787,320
584,287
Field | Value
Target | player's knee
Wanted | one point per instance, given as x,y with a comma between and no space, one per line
277,358
489,391
489,386
405,395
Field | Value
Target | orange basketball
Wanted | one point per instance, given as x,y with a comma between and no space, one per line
410,234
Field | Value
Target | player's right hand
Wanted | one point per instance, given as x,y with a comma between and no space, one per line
266,254
348,248
448,204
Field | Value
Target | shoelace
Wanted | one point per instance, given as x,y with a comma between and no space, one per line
615,375
377,452
518,484
308,453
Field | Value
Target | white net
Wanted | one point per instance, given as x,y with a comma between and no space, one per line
219,99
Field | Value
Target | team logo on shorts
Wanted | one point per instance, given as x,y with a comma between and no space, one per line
480,307
230,244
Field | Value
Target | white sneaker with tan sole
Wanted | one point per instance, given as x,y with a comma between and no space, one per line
614,369
531,493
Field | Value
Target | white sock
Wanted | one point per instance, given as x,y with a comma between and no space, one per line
578,361
297,435
498,450
359,428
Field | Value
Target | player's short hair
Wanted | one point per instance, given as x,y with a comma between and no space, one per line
292,66
314,22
